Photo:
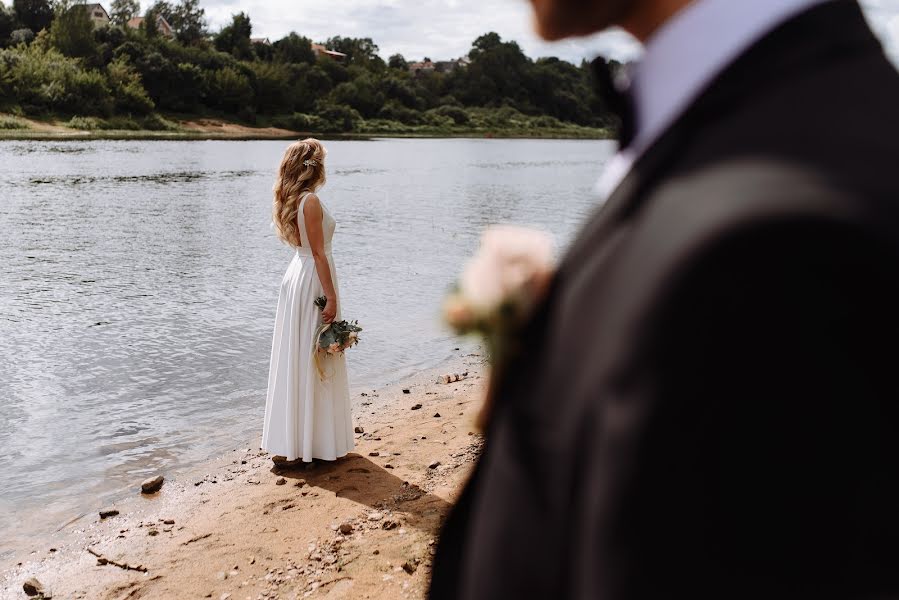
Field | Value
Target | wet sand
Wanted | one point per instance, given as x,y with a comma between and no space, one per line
241,527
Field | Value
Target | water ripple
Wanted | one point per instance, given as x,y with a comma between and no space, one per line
138,283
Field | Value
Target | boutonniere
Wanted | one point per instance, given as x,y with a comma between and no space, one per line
499,289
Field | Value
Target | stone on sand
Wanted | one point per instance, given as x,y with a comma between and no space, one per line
108,512
152,484
33,587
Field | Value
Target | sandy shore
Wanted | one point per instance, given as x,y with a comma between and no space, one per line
240,527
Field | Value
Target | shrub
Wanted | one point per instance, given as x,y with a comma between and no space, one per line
272,88
8,122
385,126
228,89
45,80
338,118
457,114
394,111
21,36
154,122
86,123
299,122
435,119
546,122
127,89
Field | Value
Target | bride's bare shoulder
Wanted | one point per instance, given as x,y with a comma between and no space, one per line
312,204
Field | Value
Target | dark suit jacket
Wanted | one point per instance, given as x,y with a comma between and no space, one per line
708,404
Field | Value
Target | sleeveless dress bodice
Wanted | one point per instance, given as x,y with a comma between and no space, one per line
328,227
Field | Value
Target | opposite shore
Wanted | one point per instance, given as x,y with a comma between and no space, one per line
202,128
240,527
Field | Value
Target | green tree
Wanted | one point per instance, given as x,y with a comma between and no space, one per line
294,48
229,90
188,19
149,25
271,84
398,62
122,11
21,36
234,38
72,31
35,15
358,50
127,89
361,94
7,24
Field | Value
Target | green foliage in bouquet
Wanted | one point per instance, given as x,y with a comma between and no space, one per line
336,336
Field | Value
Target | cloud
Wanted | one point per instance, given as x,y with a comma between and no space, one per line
443,29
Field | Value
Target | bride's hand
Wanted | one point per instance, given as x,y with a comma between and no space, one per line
329,313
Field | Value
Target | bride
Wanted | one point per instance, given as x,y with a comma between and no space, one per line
307,411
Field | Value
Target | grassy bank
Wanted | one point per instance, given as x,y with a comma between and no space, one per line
188,127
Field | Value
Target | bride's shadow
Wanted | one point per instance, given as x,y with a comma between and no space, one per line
358,479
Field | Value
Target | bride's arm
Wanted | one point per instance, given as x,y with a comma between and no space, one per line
312,214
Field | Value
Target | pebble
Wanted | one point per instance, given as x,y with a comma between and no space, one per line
410,567
388,466
221,576
434,464
359,429
416,407
373,453
280,481
33,587
108,512
375,516
225,596
152,484
169,522
436,415
406,391
346,528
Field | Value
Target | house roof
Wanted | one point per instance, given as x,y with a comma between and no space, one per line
134,22
91,7
320,48
265,41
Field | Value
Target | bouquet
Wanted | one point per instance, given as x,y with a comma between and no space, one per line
498,291
337,336
333,338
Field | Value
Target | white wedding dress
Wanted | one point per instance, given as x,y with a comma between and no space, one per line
306,416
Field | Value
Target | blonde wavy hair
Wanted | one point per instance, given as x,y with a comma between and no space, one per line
302,170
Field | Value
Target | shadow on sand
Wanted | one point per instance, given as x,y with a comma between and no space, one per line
358,479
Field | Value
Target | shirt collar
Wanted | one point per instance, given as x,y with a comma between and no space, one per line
691,49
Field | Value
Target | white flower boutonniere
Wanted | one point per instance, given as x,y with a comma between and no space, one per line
499,289
503,283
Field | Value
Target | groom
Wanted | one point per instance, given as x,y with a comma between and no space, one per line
709,404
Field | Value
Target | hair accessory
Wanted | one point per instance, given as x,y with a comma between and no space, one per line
310,162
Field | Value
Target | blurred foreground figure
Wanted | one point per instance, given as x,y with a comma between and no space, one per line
708,401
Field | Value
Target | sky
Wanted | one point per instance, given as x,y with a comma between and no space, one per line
443,29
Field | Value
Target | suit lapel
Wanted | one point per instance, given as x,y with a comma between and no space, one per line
778,57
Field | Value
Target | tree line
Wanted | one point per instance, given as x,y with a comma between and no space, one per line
54,60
